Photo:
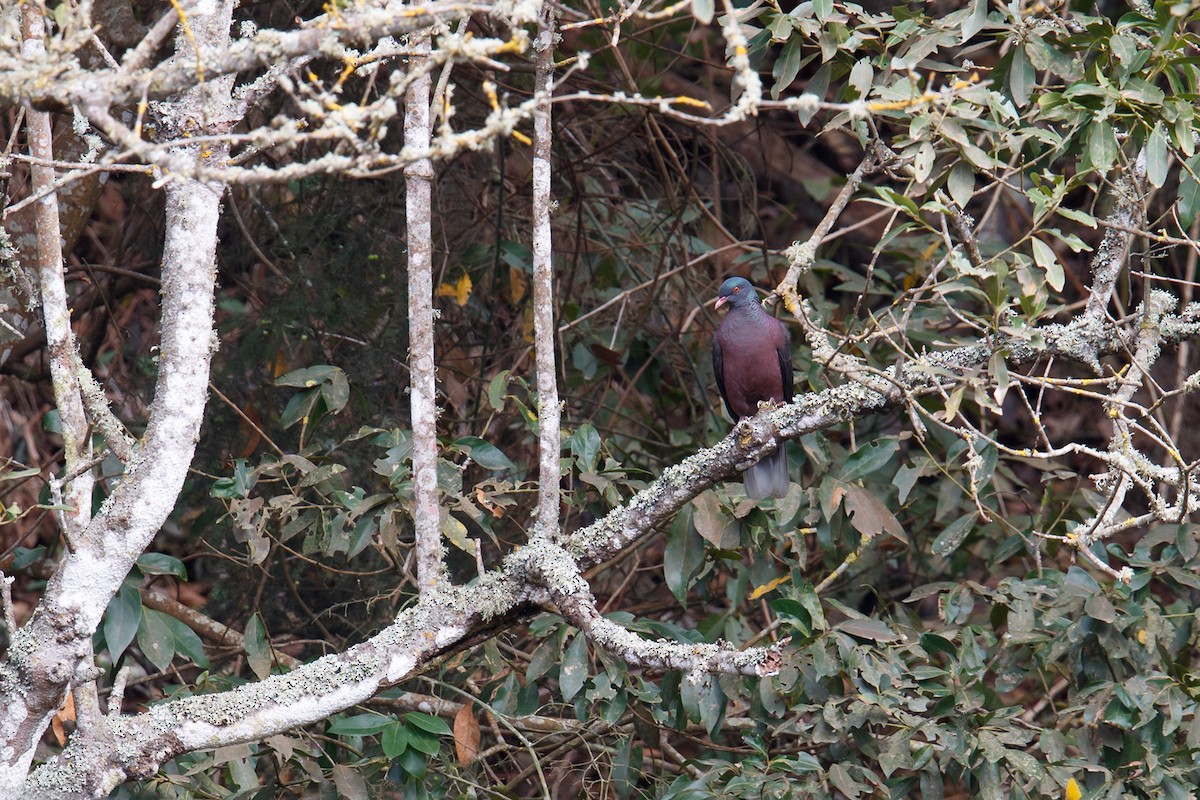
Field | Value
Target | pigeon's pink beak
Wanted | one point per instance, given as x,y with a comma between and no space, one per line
720,302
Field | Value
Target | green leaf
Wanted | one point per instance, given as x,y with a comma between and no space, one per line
308,377
547,654
894,198
1189,193
1021,77
485,454
585,447
336,391
573,672
817,85
975,21
861,76
626,767
795,613
258,650
414,763
805,762
323,381
1079,583
497,387
187,643
17,474
321,474
429,723
155,639
684,555
359,725
953,535
299,407
1044,257
1102,146
869,458
1157,156
822,9
24,557
1082,217
872,629
423,741
923,161
161,564
703,11
905,480
711,703
395,739
122,619
787,66
936,643
961,183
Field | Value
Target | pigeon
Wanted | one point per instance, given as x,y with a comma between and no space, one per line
752,358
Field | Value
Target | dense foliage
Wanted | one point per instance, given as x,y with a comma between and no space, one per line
950,636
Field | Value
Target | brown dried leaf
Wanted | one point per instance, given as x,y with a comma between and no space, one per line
466,735
65,715
870,515
713,523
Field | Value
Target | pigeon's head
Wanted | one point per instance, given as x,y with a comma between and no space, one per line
737,292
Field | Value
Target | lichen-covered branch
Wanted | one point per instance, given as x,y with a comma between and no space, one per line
25,80
1078,341
418,192
53,651
456,617
1127,465
106,423
135,746
1113,254
60,341
563,587
549,434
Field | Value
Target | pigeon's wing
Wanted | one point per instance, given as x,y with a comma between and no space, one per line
719,369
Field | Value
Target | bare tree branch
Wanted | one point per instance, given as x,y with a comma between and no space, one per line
566,590
549,438
418,183
60,341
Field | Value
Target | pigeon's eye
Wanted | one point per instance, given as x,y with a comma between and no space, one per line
737,289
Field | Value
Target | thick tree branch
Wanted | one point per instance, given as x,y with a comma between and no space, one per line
102,89
457,617
54,650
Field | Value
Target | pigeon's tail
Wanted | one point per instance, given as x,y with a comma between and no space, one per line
769,477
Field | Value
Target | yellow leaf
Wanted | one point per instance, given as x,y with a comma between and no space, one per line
456,532
460,291
1072,791
517,285
527,324
463,290
767,587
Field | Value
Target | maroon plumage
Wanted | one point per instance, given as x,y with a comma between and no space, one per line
752,359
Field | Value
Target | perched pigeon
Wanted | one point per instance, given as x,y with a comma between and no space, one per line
752,357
